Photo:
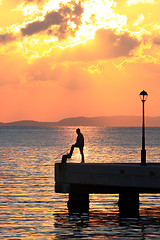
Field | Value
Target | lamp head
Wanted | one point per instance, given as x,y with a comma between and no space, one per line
143,95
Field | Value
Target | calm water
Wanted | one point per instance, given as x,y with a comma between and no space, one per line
29,207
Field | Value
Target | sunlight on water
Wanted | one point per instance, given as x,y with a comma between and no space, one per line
30,209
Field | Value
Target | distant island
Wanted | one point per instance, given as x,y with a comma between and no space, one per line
110,121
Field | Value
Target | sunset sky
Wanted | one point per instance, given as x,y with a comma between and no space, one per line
73,58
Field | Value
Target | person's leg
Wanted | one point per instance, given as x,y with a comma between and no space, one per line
82,154
71,151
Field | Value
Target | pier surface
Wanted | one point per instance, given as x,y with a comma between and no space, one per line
108,177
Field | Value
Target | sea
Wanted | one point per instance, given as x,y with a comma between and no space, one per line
29,206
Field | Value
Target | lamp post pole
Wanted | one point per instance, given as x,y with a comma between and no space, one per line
143,96
143,151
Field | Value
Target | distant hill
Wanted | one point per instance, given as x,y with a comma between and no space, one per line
114,121
101,121
28,123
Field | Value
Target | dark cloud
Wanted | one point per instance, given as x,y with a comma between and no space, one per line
52,18
57,23
7,37
34,1
106,44
116,45
156,40
78,10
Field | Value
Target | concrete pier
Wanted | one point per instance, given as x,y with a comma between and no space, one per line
127,180
78,199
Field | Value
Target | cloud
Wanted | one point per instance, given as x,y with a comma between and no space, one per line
115,45
7,37
70,76
106,44
34,1
62,18
78,10
134,2
156,40
52,18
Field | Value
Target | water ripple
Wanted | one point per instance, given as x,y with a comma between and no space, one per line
30,209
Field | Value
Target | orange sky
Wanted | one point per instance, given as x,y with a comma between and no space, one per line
78,58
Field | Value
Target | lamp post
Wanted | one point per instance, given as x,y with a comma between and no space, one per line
143,97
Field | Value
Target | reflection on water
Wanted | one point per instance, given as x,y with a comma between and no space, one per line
29,207
105,225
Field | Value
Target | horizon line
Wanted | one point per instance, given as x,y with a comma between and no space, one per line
56,121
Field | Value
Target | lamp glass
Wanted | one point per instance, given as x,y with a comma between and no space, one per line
143,95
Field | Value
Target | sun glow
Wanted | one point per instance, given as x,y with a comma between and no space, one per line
30,12
81,21
52,4
64,23
134,2
60,55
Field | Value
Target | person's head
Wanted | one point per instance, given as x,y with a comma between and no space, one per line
77,130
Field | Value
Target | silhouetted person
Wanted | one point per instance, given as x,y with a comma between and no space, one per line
79,144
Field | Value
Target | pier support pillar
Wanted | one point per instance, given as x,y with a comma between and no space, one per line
78,201
128,203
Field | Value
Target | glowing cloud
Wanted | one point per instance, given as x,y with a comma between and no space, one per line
134,2
83,54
